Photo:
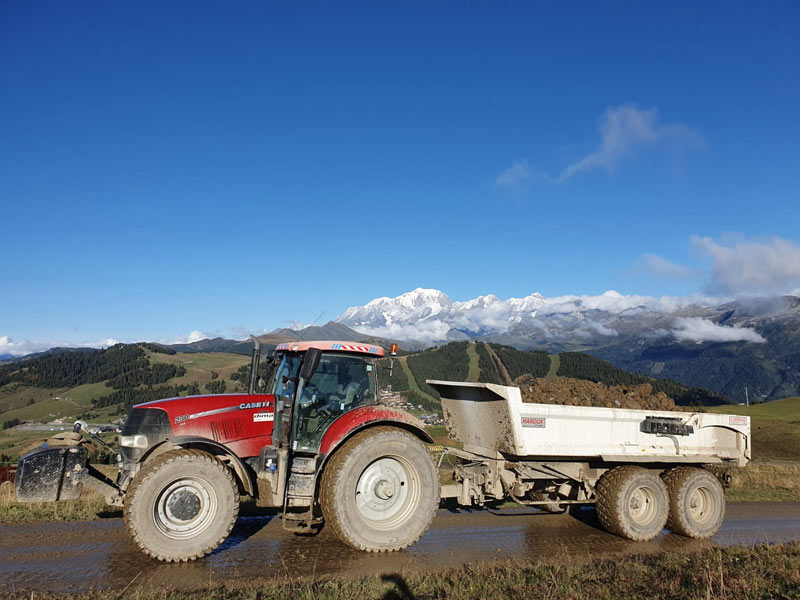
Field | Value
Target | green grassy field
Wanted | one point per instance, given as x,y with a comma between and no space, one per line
555,363
411,381
474,364
17,397
200,365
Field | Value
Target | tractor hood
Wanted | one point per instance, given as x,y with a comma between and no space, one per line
239,421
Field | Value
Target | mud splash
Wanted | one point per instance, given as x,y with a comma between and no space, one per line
97,555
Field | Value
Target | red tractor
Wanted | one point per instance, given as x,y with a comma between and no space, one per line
310,438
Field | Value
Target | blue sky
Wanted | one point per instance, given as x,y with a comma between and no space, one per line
172,167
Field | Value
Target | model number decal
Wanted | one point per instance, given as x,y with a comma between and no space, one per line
182,418
260,417
534,422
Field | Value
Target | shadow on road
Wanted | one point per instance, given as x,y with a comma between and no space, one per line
245,528
401,591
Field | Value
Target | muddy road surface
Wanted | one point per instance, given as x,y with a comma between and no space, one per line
97,555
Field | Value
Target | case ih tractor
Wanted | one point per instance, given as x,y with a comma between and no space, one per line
309,439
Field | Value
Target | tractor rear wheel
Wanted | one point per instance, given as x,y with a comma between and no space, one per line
181,505
379,492
632,502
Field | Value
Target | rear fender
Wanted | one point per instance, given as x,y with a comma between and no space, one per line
198,443
349,424
368,416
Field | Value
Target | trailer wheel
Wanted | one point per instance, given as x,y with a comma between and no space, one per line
379,492
632,502
181,506
696,502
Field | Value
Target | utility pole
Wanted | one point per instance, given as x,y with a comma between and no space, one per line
746,397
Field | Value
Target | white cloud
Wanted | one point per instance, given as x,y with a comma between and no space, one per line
191,337
21,347
625,130
740,266
600,328
9,346
661,267
698,329
240,332
426,331
514,177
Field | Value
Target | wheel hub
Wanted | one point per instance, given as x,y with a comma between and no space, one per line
183,504
701,504
185,508
382,491
642,505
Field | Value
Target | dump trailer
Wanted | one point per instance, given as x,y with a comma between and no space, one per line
312,440
641,469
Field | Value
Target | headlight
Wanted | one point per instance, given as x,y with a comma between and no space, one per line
133,441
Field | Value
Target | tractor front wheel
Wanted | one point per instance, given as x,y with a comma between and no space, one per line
181,505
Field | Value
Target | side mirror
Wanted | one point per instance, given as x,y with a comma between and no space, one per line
310,363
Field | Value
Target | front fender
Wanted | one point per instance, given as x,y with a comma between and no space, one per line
210,446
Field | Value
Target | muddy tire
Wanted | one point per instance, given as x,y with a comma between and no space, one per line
181,505
696,502
379,492
632,502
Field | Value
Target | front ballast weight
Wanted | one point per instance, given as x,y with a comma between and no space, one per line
58,470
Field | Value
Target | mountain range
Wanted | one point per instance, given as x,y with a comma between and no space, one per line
743,348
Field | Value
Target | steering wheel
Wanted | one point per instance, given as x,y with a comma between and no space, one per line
323,406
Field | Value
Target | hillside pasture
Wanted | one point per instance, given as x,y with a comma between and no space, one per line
199,365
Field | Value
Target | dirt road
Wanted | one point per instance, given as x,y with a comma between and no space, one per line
83,556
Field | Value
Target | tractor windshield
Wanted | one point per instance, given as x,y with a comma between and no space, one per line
341,383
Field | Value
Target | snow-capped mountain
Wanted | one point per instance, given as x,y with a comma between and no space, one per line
429,315
720,344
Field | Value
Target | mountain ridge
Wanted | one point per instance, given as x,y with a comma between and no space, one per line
722,344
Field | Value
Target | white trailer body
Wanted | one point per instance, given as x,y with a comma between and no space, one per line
643,470
490,418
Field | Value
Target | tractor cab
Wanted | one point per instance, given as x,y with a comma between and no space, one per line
314,383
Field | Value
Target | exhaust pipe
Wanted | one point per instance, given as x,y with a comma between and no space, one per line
254,364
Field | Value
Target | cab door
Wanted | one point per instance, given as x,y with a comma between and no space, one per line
341,383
